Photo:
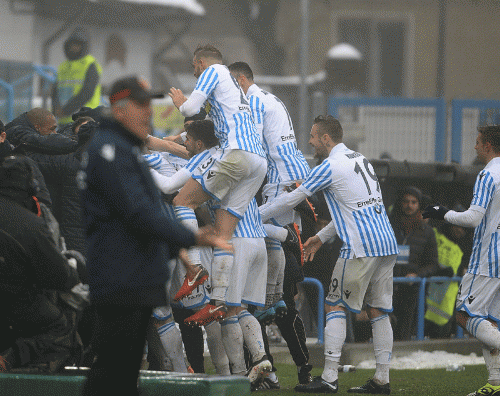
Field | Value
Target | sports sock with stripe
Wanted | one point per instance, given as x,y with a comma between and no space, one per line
232,338
252,334
216,348
335,333
382,345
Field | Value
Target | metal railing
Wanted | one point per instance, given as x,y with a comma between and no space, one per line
421,302
47,73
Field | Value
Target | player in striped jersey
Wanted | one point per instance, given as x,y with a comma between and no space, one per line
237,173
247,287
286,166
364,269
478,300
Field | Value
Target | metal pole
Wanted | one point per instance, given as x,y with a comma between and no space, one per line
304,63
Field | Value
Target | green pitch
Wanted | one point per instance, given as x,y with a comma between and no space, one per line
403,382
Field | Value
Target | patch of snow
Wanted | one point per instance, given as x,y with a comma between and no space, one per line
427,360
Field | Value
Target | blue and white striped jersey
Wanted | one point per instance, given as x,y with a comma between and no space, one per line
234,126
285,162
353,195
250,226
165,163
484,259
200,158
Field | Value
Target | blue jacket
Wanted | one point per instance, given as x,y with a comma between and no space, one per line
130,236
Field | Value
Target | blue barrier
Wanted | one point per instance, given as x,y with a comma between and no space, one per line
421,302
321,307
48,73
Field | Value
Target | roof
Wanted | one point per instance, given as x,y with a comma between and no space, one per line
191,6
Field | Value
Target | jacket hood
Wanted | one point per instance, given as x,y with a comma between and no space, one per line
81,36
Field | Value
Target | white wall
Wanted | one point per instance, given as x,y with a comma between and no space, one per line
16,33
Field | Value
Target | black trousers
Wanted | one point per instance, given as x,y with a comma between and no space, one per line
291,326
192,338
118,343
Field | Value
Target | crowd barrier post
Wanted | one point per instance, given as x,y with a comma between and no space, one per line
321,307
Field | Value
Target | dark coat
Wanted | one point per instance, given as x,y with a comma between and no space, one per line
129,233
47,267
423,259
59,172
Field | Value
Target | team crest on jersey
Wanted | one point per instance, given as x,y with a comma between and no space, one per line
210,174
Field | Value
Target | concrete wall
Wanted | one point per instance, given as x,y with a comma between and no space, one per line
16,32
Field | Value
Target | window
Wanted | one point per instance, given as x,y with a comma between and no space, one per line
383,43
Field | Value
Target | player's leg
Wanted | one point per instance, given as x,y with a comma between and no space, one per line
170,337
379,300
216,348
290,325
478,312
253,272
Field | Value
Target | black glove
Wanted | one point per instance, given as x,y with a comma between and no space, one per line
435,212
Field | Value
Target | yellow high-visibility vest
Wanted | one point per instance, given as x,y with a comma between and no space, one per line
70,78
441,296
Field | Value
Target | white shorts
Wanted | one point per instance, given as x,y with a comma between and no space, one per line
479,295
200,295
162,313
248,280
233,178
272,192
367,279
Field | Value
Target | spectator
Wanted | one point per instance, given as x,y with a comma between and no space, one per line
60,175
35,129
77,78
418,248
43,333
130,238
441,296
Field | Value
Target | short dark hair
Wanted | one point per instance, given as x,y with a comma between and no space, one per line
203,130
2,126
330,125
491,134
241,68
207,51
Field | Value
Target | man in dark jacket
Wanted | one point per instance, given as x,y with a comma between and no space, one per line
29,133
43,333
130,239
417,242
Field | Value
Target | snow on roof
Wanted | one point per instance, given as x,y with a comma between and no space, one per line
344,51
191,6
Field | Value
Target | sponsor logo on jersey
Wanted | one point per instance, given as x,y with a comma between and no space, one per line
471,298
353,155
347,293
371,201
289,137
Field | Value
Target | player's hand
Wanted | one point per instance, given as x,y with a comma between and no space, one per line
206,236
177,97
311,246
435,212
3,136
